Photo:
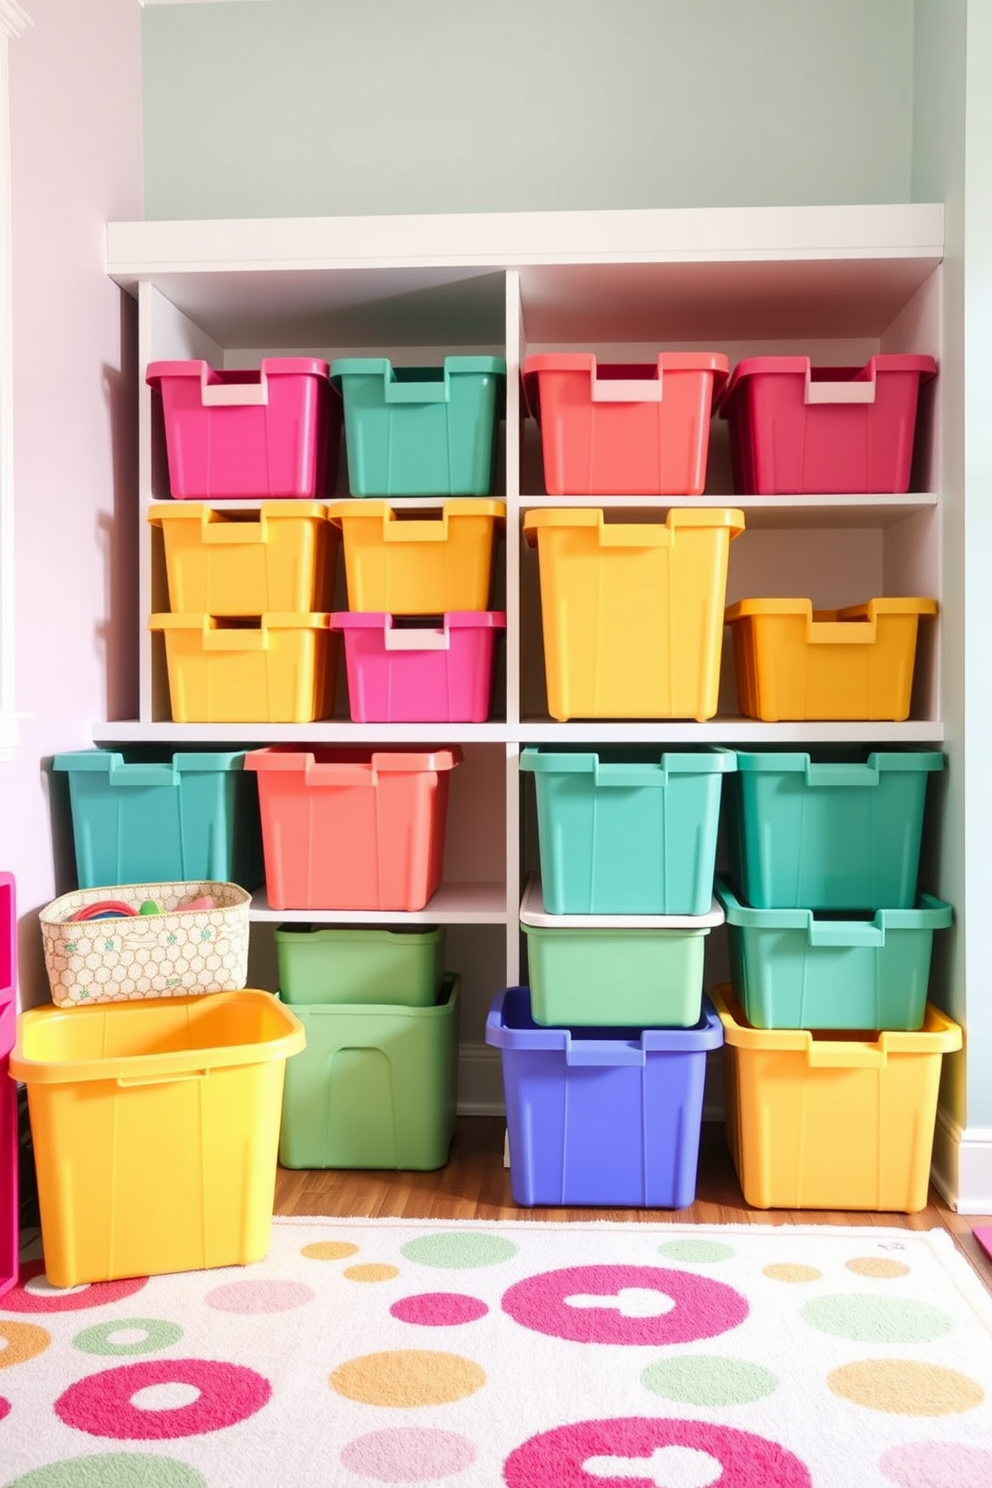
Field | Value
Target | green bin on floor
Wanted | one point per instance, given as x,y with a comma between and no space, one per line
360,966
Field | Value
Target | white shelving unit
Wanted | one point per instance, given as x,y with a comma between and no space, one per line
835,283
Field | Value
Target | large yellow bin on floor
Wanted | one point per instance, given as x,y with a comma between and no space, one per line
155,1128
632,612
832,1120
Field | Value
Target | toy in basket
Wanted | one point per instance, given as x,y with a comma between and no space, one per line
109,945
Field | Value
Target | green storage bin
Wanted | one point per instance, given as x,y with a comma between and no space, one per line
840,829
149,814
359,966
375,1087
421,431
628,829
793,969
621,971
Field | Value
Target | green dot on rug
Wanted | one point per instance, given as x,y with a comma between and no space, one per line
695,1250
702,1380
113,1470
874,1319
453,1252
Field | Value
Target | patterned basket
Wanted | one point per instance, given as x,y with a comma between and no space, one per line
173,954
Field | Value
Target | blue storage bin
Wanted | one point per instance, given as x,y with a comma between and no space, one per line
793,969
628,829
603,1116
840,829
145,814
421,431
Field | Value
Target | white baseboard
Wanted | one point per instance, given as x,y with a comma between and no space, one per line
962,1165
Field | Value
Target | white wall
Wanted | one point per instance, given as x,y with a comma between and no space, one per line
75,98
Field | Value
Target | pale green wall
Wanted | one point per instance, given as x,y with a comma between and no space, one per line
314,107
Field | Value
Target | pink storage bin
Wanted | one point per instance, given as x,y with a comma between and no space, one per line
401,674
9,1146
270,434
796,429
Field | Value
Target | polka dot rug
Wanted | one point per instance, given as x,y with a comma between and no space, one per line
524,1354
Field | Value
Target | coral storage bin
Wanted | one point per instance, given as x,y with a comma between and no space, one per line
280,558
793,969
832,1120
793,662
797,429
835,829
359,966
620,430
352,828
421,431
259,435
171,954
278,668
376,1087
419,674
632,614
155,1127
628,829
150,812
10,1219
424,565
599,971
604,1116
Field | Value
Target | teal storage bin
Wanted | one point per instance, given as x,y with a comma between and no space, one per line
146,814
421,431
628,829
375,1087
838,829
793,969
360,966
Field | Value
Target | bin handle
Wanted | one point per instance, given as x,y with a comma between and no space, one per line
636,535
421,530
845,933
837,1055
425,639
233,638
127,1082
853,774
840,632
627,389
839,392
630,775
233,394
140,775
233,532
418,392
594,1055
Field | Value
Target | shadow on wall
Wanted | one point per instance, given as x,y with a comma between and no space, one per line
117,634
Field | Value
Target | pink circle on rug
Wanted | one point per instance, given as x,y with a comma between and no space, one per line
703,1307
408,1454
559,1456
257,1297
97,1294
937,1465
439,1309
101,1403
4,1407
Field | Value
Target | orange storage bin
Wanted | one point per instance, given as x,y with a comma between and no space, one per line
615,429
352,828
795,663
425,564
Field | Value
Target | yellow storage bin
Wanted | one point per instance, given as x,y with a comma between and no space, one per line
270,669
276,559
794,662
832,1120
632,612
155,1128
424,565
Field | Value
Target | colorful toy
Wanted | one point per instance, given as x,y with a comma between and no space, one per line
104,909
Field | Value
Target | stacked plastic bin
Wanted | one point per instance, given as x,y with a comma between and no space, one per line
834,1052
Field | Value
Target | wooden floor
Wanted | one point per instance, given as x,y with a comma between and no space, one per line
474,1184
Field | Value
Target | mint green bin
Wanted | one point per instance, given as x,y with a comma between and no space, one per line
793,969
375,1087
421,431
359,966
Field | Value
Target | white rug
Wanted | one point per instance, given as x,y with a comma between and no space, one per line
533,1355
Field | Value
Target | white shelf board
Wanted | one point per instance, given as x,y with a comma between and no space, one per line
729,730
453,904
532,912
762,512
329,731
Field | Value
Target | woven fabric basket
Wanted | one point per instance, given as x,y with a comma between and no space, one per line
173,954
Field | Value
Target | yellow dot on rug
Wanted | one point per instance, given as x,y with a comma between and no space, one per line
877,1266
20,1342
329,1250
407,1378
906,1387
791,1271
371,1272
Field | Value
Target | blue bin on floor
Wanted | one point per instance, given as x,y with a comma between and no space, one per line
147,815
603,1116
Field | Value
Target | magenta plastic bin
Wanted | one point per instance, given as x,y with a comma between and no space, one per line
412,673
796,429
274,433
9,1146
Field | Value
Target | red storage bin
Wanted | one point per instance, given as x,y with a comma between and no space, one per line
796,429
352,828
251,435
624,430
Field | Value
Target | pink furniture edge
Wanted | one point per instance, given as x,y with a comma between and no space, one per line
9,1145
